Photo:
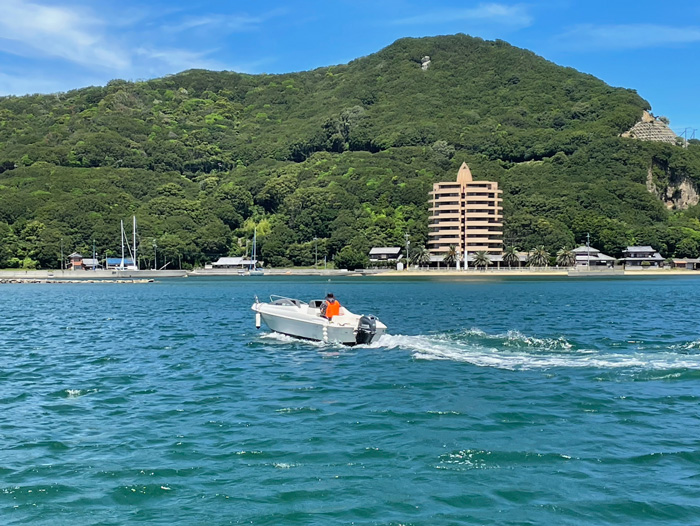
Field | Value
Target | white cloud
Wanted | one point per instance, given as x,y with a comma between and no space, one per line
228,23
233,23
627,36
54,43
177,59
514,15
32,29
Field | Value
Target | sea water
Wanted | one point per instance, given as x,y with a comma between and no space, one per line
494,401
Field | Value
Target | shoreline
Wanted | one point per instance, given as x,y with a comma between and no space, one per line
543,273
90,275
67,276
14,281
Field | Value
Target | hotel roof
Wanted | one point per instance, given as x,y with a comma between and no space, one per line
464,175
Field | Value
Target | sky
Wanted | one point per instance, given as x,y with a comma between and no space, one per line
49,46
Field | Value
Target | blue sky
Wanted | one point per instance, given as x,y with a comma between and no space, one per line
48,46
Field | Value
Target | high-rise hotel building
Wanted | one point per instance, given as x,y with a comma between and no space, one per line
467,214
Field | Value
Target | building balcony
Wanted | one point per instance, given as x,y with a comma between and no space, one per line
483,214
446,231
479,206
481,233
445,214
445,223
443,240
445,204
484,241
446,193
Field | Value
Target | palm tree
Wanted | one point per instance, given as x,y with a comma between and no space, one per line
566,257
510,256
481,259
539,257
451,257
420,257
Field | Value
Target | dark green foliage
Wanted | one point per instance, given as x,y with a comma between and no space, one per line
351,259
345,154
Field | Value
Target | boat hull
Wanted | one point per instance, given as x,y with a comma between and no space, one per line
305,322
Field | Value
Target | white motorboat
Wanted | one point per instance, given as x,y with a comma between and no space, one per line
303,320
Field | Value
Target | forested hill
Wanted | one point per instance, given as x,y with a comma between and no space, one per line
338,158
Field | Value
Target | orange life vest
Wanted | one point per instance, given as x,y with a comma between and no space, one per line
332,309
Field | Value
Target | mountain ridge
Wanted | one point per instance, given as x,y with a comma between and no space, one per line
208,154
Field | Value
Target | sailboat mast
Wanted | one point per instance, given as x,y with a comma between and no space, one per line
121,222
136,264
255,238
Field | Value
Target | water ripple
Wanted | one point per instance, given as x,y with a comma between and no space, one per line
503,402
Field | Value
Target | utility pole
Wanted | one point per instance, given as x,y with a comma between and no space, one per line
316,247
93,255
61,253
155,255
588,247
407,244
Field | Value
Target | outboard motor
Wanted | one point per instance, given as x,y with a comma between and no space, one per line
366,329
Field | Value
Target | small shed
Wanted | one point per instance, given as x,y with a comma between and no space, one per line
90,263
75,261
687,263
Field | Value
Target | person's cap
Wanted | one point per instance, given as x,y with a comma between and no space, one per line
330,295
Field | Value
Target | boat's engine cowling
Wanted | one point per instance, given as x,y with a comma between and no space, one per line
366,329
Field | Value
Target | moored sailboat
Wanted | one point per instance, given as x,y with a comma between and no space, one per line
134,261
255,270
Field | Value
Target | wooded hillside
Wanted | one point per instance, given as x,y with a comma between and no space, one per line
345,154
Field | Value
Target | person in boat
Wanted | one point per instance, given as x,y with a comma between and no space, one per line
330,307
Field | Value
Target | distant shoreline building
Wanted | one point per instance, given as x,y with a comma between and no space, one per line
466,214
378,254
638,257
591,257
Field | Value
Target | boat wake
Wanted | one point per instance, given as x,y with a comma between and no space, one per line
516,351
276,337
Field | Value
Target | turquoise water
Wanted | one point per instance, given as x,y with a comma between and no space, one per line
491,402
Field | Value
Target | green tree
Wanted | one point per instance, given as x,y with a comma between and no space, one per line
420,256
539,257
481,259
450,258
566,257
351,259
510,256
687,248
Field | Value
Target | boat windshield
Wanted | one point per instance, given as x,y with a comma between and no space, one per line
280,300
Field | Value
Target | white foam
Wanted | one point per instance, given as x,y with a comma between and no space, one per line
75,393
530,353
283,338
